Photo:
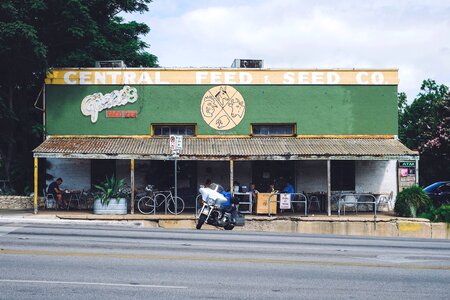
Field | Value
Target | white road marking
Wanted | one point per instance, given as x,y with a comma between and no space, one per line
95,283
4,230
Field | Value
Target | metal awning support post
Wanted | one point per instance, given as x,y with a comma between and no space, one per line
132,185
176,184
329,186
231,176
35,200
176,145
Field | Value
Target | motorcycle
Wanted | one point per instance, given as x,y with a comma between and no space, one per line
214,212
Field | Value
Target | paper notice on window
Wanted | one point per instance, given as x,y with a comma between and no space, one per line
285,201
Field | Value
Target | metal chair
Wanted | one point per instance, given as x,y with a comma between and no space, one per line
75,197
347,200
311,200
385,200
49,200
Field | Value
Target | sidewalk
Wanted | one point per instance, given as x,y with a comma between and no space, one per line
386,225
57,217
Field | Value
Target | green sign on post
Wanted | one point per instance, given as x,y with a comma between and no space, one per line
407,164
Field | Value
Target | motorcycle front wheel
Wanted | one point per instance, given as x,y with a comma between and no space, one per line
228,227
200,221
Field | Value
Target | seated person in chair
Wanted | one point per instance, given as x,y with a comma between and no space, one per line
53,189
288,188
254,192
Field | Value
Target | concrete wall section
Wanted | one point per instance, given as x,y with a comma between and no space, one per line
377,177
311,176
76,173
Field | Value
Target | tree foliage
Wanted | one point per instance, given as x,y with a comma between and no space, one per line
424,125
36,35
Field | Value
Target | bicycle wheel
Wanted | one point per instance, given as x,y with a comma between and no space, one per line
146,205
171,205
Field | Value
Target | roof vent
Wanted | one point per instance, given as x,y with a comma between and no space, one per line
248,63
110,64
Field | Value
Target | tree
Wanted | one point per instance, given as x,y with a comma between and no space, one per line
437,149
421,123
36,35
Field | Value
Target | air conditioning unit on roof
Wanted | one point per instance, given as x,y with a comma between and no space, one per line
248,63
110,64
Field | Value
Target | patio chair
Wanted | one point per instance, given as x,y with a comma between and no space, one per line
349,201
76,197
49,200
313,199
385,200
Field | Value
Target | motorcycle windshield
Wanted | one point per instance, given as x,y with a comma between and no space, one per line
216,187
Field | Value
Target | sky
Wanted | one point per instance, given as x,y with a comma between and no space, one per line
412,36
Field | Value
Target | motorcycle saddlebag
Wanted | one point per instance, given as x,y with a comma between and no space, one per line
238,218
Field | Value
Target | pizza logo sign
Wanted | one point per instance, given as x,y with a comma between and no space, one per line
91,105
223,107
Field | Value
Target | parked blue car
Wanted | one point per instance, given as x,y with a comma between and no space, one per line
439,192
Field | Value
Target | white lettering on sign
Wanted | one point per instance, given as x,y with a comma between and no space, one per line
203,77
95,103
67,77
333,78
315,77
224,76
361,78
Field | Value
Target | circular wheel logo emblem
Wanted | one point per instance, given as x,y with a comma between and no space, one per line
223,107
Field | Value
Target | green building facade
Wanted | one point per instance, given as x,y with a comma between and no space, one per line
322,130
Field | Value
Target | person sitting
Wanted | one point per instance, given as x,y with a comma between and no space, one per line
288,188
254,193
253,190
272,188
53,189
207,183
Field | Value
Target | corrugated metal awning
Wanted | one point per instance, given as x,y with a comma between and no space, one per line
216,148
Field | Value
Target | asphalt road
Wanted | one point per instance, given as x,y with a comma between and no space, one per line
39,261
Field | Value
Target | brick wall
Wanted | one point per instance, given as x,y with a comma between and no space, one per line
18,202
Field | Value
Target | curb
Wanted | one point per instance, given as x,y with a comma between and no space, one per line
24,220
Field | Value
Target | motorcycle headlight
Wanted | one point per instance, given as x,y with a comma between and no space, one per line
211,202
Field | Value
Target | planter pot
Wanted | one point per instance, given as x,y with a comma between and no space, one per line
115,207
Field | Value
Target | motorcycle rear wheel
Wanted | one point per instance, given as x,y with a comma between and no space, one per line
228,227
200,221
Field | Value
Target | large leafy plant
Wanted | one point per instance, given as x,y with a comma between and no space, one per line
411,201
440,214
111,188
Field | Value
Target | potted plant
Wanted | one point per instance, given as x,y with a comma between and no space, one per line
110,198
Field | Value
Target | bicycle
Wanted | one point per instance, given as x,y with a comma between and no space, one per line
149,203
145,203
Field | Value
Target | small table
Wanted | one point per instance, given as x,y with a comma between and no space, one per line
249,201
74,195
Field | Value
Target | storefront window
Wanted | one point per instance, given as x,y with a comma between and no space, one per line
165,130
343,175
273,129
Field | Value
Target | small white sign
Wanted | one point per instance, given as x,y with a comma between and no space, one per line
176,142
285,201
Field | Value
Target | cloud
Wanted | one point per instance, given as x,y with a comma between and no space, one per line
410,36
